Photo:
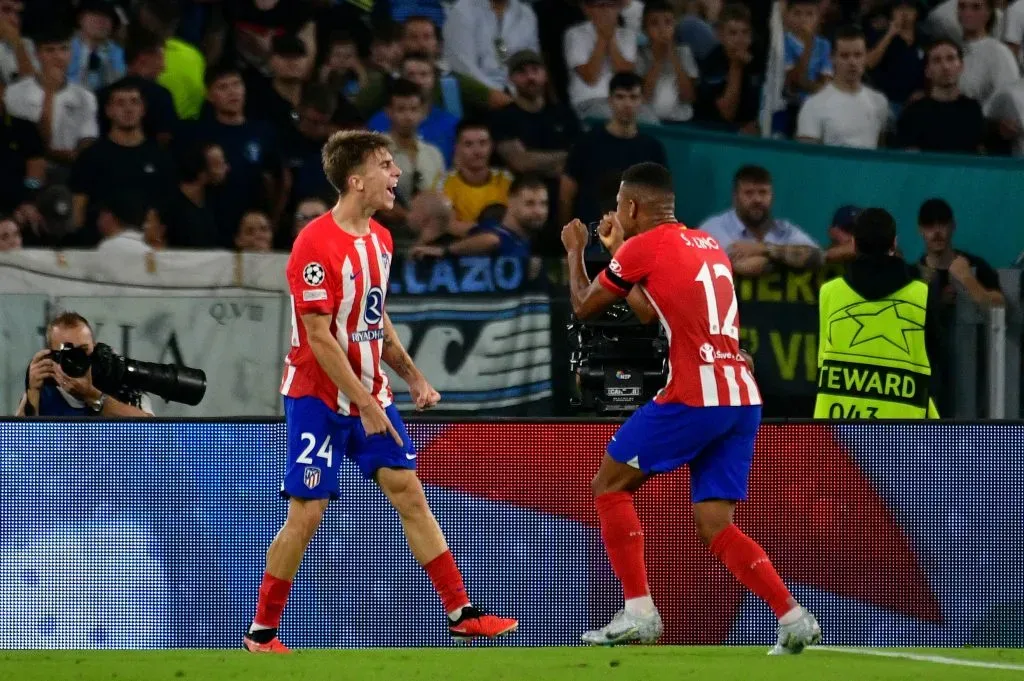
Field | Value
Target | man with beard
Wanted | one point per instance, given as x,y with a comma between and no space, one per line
754,239
534,134
526,214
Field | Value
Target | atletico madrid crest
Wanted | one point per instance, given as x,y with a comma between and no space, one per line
311,477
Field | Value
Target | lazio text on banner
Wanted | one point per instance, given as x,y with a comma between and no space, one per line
490,354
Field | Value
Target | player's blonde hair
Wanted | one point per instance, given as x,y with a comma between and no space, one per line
346,151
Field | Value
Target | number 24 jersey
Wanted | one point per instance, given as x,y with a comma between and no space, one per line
335,273
687,277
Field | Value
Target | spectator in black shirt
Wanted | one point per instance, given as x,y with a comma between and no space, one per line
22,168
251,149
729,92
594,166
303,141
894,59
534,134
189,220
946,119
144,57
276,100
124,161
942,264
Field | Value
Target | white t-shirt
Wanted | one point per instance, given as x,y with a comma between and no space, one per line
988,66
579,45
74,111
429,164
842,119
666,102
1008,103
9,59
1013,26
942,22
128,243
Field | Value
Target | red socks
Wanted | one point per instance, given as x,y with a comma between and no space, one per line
273,596
447,580
750,565
624,541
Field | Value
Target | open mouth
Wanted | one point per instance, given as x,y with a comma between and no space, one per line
391,190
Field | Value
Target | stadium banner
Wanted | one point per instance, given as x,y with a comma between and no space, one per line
779,326
152,534
482,354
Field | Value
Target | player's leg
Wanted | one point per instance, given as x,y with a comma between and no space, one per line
651,441
394,468
311,479
719,479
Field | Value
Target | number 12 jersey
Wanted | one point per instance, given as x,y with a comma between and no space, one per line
687,277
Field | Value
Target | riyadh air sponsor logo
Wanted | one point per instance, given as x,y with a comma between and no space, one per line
367,336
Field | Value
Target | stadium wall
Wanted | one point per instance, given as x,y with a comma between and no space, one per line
152,534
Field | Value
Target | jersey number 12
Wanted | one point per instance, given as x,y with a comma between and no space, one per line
716,327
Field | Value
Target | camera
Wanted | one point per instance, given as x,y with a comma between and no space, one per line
619,362
114,374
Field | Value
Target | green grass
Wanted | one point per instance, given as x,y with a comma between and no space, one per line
499,664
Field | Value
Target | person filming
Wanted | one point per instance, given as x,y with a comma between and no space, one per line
52,390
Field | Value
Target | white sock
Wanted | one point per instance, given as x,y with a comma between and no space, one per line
792,616
454,615
640,606
257,627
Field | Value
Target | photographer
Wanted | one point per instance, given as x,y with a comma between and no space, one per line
49,391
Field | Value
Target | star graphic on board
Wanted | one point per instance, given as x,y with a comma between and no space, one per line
888,320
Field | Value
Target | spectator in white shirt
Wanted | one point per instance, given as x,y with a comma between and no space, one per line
942,22
480,36
1006,110
1013,28
754,239
669,70
845,112
17,53
595,50
64,112
988,63
122,222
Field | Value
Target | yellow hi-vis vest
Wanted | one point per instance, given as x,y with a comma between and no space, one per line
872,358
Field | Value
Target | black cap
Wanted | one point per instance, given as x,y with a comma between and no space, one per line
844,217
289,46
524,58
935,212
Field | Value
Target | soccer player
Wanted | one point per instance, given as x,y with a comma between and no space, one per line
336,397
706,416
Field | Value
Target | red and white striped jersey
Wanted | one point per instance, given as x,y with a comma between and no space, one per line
333,272
687,277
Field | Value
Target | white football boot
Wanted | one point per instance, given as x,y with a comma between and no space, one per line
627,628
793,638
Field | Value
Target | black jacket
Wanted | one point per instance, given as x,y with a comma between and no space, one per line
875,277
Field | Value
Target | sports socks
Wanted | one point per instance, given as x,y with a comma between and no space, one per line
273,597
749,564
624,541
447,580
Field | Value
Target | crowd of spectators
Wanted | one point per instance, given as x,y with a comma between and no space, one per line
144,124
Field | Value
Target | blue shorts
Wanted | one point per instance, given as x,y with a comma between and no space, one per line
319,439
716,442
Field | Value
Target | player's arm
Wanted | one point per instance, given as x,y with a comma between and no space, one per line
641,306
332,359
589,298
396,356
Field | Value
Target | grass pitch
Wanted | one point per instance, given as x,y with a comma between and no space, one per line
515,664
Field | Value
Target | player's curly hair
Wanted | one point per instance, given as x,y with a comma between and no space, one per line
346,151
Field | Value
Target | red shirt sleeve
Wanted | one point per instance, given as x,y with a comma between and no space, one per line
631,265
311,281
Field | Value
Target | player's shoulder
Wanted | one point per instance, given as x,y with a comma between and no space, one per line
315,236
382,232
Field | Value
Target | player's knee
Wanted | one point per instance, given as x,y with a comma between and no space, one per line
304,517
709,523
405,493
